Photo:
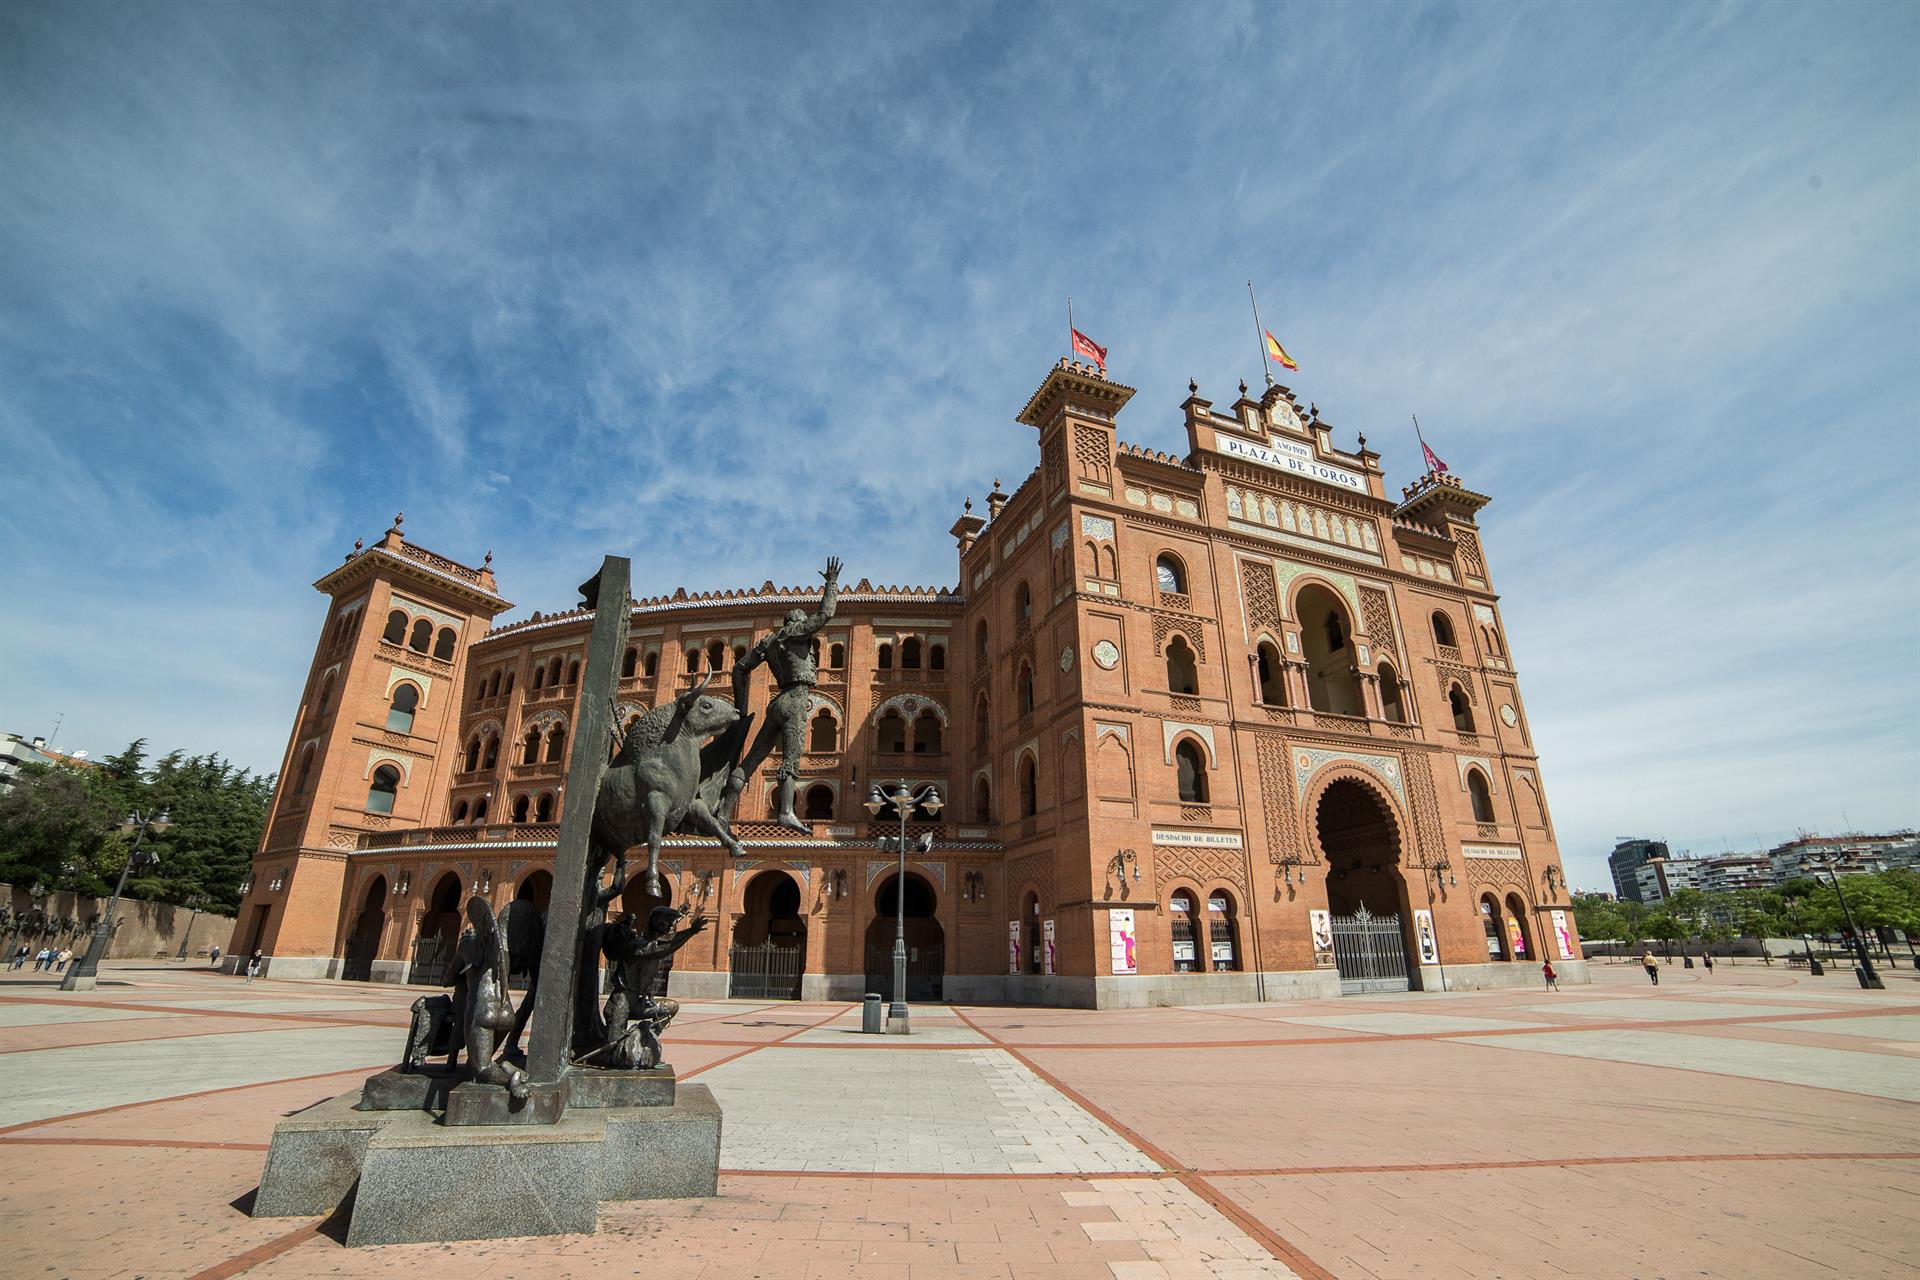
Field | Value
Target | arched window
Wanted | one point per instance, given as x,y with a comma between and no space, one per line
926,733
1462,712
1481,796
1023,689
556,743
443,644
1192,768
1182,675
543,811
982,799
717,655
1273,680
886,656
1222,933
400,711
826,733
980,640
1180,914
1391,706
1022,603
539,678
629,663
836,657
493,752
509,688
573,672
652,667
306,770
1443,630
693,659
1332,685
479,811
1029,787
1492,637
326,693
819,803
386,781
1492,925
396,632
980,720
459,813
1518,933
1169,574
553,673
493,685
937,657
740,654
521,806
422,639
893,733
910,654
530,748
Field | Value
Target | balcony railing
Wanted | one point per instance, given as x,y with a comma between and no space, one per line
490,833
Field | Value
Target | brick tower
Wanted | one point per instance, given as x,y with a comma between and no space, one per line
373,742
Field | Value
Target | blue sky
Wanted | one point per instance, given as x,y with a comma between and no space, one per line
558,281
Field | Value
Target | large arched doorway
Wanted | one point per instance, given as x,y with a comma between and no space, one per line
769,940
439,931
363,943
1366,894
926,940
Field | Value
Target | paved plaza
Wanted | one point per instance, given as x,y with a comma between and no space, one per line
1755,1123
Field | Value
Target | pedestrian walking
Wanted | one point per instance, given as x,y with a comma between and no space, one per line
253,966
1546,971
1707,960
215,956
1652,966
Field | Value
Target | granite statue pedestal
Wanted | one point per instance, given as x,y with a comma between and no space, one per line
409,1177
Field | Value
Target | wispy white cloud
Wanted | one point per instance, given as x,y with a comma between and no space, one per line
733,287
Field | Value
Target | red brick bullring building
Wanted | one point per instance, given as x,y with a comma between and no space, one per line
1219,726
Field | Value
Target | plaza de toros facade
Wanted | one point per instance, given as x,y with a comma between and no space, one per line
1222,726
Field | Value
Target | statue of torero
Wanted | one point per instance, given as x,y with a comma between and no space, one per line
788,654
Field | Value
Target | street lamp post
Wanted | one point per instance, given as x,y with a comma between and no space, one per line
904,802
1863,968
84,975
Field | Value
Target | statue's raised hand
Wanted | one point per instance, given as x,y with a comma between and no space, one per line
832,571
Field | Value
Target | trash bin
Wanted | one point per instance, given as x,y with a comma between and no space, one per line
873,1016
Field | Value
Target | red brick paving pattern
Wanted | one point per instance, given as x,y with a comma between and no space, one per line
1344,1154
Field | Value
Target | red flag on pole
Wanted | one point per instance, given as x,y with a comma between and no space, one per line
1433,459
1085,346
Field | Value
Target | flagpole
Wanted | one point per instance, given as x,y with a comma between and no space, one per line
1259,335
1070,328
1416,433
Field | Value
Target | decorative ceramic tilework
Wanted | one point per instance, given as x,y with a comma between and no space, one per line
1308,761
1096,527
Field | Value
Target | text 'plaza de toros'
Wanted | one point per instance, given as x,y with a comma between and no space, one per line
1226,726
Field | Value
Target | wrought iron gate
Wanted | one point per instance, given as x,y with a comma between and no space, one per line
765,972
1370,951
925,965
357,966
431,959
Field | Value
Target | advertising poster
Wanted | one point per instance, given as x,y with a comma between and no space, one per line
1321,925
1046,935
1423,928
1562,936
1013,946
1517,939
1121,941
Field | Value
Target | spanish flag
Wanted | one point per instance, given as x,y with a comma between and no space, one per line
1278,352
